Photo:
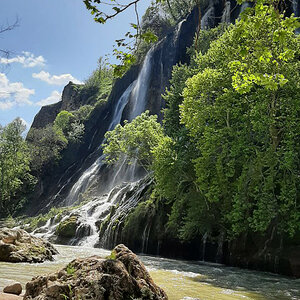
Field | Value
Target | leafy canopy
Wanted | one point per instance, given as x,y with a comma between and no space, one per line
242,111
135,140
14,168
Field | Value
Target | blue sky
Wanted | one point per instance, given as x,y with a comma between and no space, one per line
56,41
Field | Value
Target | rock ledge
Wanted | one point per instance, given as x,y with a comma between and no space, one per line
16,245
122,276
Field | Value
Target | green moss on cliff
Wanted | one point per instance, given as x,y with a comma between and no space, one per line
67,228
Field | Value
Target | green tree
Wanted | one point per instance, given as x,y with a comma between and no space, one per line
101,79
45,145
136,140
14,167
242,110
63,121
67,127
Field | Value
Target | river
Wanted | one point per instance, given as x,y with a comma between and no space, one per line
180,279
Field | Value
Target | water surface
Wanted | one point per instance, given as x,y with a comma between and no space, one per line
180,279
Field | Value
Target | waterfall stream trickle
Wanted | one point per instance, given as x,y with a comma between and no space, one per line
226,13
204,240
139,92
90,213
208,18
85,179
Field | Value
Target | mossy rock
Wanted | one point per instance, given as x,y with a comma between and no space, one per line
68,227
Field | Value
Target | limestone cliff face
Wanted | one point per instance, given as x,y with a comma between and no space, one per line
54,188
72,98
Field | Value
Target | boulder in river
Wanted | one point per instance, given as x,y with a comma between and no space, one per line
121,276
17,245
68,227
14,288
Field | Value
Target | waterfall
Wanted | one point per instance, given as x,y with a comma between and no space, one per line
85,179
296,11
139,92
226,13
145,237
208,18
204,239
128,198
244,6
135,96
92,215
99,222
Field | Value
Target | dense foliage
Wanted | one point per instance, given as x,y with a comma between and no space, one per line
101,79
242,111
135,140
46,146
229,160
15,177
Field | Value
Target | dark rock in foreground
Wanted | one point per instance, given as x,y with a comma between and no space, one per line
120,277
14,288
16,245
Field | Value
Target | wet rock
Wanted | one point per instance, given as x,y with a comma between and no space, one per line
17,245
14,288
68,227
121,276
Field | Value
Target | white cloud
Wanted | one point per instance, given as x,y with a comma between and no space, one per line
62,79
28,60
13,93
53,98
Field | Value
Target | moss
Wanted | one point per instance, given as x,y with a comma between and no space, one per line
104,225
107,220
34,250
67,228
135,222
70,270
41,220
113,255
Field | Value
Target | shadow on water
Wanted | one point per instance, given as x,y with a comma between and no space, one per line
261,285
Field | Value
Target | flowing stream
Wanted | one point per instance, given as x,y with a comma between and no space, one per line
180,279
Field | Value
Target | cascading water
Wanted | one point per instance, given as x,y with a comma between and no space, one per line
99,179
226,13
139,92
135,96
83,182
127,200
204,240
208,18
93,213
145,237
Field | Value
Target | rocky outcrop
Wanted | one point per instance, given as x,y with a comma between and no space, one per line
16,245
121,276
73,97
67,228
